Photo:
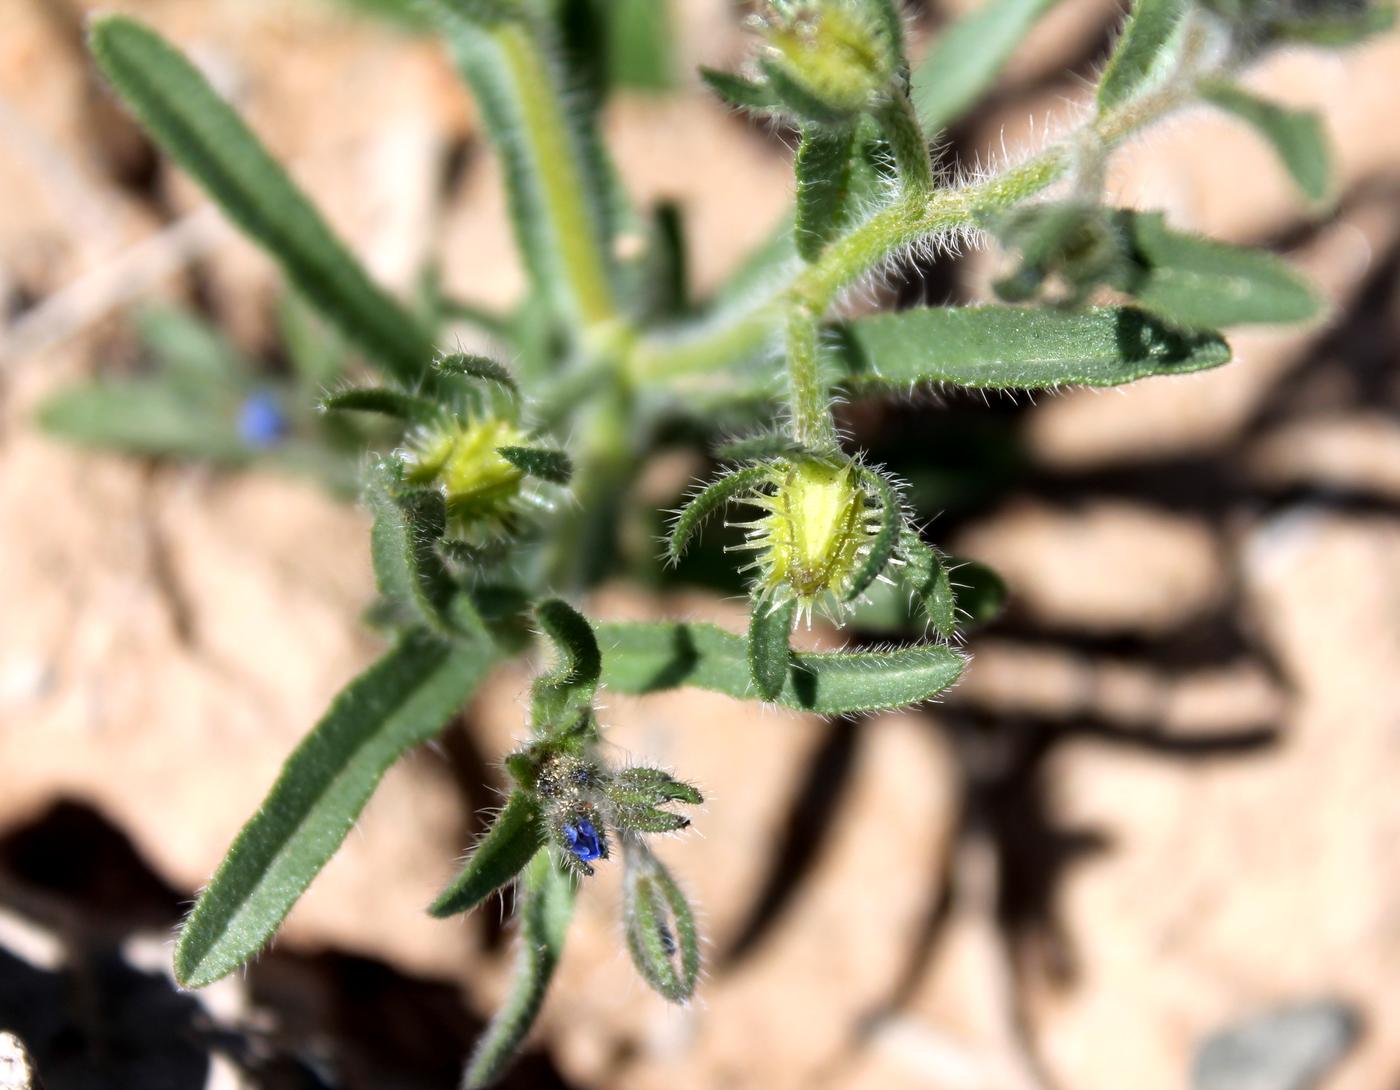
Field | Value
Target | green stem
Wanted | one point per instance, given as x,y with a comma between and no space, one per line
810,424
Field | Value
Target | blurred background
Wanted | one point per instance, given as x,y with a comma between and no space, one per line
1149,842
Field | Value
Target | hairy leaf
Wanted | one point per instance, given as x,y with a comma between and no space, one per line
558,698
546,906
926,574
823,166
400,701
639,46
403,545
1198,282
548,465
1019,348
1297,136
515,837
645,658
737,91
146,416
770,626
188,348
886,538
381,400
199,130
661,934
478,367
1144,53
967,57
706,502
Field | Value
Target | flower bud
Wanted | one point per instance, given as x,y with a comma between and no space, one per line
459,456
827,60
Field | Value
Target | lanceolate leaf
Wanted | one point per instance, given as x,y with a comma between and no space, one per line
402,700
1144,53
546,906
478,367
927,575
770,625
966,58
559,697
146,416
548,465
660,927
886,538
385,402
1296,135
1018,348
823,168
645,658
709,500
512,841
199,130
403,545
1198,282
738,91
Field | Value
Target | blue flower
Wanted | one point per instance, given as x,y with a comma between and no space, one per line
583,839
261,422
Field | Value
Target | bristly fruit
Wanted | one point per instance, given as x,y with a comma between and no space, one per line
817,530
461,457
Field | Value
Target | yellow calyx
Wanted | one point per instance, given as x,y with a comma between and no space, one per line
816,532
459,456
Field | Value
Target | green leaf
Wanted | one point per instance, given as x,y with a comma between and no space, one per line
548,465
199,130
770,626
477,367
546,906
886,538
515,837
314,352
1346,24
381,400
1145,52
1019,348
399,702
1195,281
931,591
403,545
558,698
561,196
706,502
646,658
640,56
152,417
967,57
1297,136
738,91
927,575
980,592
660,927
823,167
190,349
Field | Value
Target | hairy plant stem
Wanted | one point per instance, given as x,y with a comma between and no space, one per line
814,289
810,422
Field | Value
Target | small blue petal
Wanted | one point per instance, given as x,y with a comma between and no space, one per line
583,840
261,422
